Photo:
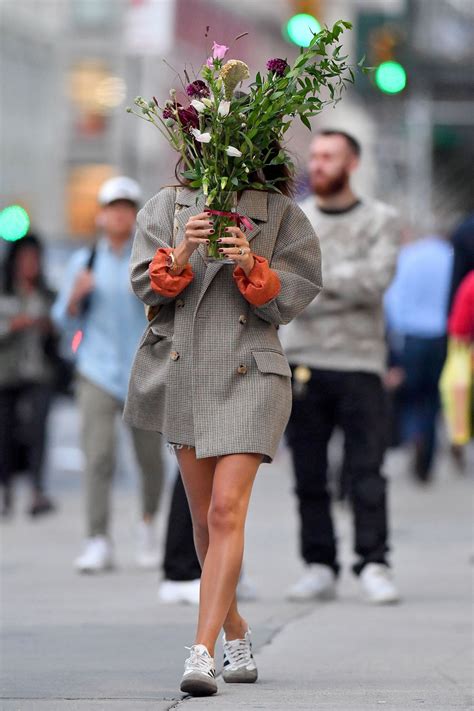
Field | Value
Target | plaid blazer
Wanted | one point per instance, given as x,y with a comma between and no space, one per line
210,371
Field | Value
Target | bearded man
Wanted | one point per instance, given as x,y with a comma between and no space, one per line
337,351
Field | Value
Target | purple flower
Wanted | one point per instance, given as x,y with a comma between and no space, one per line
189,118
277,66
197,89
170,110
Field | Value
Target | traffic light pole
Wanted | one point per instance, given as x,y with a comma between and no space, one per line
419,146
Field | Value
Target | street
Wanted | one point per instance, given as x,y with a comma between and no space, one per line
103,642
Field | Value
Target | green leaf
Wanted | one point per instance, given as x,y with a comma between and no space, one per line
189,174
234,181
305,121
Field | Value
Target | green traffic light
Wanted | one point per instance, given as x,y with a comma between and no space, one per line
301,28
391,77
14,223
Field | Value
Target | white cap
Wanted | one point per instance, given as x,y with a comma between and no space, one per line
120,188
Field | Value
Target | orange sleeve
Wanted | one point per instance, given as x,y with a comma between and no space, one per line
261,285
162,281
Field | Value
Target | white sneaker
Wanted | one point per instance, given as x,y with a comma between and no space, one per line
199,678
147,556
239,665
377,584
246,590
96,556
318,583
179,592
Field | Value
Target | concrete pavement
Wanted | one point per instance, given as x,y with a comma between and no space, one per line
78,643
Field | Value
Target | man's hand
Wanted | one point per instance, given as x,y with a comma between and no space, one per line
83,286
21,322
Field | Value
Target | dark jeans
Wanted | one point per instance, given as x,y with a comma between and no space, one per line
422,360
23,419
354,402
181,562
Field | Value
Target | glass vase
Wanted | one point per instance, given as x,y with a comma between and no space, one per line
224,202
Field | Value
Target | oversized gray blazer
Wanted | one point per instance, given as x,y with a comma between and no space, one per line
210,371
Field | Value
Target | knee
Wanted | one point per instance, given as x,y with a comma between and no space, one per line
224,516
369,490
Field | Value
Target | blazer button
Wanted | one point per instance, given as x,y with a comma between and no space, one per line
242,369
242,319
180,303
174,355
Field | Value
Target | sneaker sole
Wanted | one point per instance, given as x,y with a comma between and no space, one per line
240,676
196,685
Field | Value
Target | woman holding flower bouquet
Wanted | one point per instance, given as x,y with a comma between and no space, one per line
222,261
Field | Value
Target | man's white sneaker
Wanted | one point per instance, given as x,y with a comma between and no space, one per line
239,665
179,592
377,584
96,556
199,678
148,556
318,583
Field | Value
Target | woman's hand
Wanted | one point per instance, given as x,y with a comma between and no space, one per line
240,251
197,231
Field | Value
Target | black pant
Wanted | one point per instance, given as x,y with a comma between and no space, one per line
23,419
422,360
356,403
181,562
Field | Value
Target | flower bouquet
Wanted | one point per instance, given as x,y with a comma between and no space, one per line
229,140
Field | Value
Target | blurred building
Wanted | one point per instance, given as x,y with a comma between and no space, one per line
70,67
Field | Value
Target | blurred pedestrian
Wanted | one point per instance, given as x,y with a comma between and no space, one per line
416,307
461,319
463,245
457,379
337,351
210,375
97,298
27,343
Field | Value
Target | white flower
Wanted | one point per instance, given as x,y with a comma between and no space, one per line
198,105
207,102
201,137
233,152
224,108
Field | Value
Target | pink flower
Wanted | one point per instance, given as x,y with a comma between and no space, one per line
218,52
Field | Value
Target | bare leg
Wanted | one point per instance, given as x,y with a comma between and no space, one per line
223,496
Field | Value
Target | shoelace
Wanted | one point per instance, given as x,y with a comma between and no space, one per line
239,652
201,662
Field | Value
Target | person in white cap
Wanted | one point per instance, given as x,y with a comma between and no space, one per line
97,301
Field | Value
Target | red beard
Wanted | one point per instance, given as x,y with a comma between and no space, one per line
324,187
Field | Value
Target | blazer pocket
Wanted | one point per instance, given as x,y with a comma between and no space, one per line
272,362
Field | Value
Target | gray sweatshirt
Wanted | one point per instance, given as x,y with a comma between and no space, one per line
343,329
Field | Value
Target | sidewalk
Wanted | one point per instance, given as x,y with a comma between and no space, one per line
79,643
345,656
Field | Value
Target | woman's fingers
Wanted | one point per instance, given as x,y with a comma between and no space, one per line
236,231
240,241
